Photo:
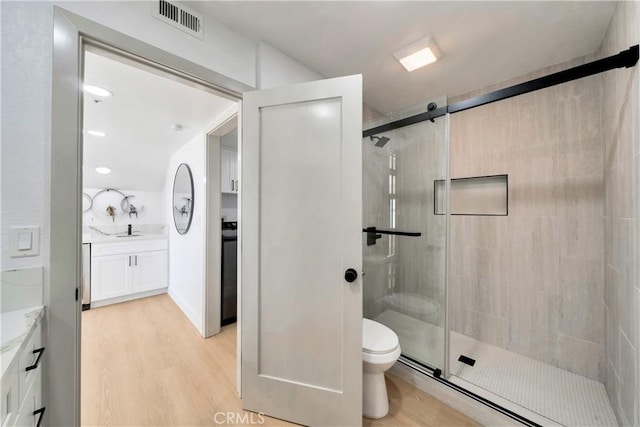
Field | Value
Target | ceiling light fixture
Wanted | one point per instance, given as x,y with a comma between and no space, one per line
177,127
97,90
103,170
418,54
96,133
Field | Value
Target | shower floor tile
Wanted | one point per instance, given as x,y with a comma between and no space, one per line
554,393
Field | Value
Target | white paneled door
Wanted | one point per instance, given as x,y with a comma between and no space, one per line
301,225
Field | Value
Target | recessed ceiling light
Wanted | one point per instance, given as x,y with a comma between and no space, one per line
103,170
97,90
418,54
177,127
96,133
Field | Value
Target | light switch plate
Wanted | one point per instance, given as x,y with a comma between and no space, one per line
24,241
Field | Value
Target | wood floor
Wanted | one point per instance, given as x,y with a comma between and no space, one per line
144,364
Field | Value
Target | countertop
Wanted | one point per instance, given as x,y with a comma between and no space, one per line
16,327
98,238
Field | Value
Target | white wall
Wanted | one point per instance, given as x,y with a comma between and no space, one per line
152,201
277,69
26,123
222,49
187,251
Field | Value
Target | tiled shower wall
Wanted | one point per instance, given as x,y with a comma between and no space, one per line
532,281
621,225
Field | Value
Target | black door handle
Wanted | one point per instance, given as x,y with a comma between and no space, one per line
39,352
350,275
39,412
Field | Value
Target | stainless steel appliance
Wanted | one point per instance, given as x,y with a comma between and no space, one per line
86,276
229,288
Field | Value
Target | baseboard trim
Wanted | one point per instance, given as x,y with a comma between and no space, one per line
195,320
125,298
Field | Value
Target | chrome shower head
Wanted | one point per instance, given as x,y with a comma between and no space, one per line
380,140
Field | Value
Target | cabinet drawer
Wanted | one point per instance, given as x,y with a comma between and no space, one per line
30,361
32,405
127,247
10,397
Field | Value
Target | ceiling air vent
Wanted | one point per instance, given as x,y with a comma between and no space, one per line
179,16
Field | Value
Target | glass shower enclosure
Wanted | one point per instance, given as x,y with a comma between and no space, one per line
468,257
404,248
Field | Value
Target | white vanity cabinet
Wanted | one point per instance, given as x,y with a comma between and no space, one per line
22,403
229,170
123,270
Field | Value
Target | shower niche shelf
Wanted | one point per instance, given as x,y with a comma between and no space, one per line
477,195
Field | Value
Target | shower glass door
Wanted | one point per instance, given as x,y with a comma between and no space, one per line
404,282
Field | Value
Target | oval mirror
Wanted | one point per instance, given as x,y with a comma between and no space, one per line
183,198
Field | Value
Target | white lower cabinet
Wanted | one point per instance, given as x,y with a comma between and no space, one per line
10,397
120,269
110,276
150,270
31,409
22,403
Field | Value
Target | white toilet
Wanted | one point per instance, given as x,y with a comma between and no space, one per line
380,350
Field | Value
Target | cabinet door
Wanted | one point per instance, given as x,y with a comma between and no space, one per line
10,397
234,171
28,358
225,170
110,276
31,405
229,170
149,271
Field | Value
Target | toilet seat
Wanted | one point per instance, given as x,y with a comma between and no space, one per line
377,338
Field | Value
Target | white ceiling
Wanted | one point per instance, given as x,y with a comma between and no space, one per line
482,43
137,120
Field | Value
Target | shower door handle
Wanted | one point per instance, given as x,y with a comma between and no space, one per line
374,234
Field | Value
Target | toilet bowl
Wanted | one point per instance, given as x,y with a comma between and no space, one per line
380,351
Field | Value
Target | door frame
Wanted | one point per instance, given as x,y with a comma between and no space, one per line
71,33
211,298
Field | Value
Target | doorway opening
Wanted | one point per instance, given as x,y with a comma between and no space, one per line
151,194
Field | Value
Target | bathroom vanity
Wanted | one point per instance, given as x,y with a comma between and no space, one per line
22,352
126,270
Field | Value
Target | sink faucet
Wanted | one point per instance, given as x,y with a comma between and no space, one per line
129,230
